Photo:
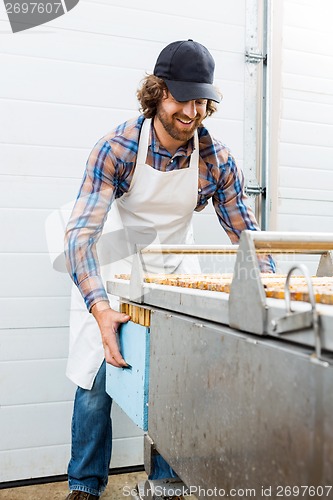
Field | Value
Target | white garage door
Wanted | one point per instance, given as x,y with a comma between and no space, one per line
305,153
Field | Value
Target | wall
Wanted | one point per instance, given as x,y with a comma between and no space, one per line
302,140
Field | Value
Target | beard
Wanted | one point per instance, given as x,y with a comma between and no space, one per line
175,129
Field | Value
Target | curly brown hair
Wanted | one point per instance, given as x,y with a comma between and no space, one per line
151,92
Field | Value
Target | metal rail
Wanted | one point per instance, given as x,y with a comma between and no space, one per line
189,249
264,241
285,242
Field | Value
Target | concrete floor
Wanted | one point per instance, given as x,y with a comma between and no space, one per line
118,489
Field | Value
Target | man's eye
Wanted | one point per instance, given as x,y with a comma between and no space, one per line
201,102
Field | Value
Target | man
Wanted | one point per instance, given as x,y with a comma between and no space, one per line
153,172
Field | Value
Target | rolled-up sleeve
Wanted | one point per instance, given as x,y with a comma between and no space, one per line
86,223
232,211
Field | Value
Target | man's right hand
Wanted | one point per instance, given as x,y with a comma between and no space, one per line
108,321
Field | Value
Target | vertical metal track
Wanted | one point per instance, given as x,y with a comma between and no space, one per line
250,104
265,115
256,107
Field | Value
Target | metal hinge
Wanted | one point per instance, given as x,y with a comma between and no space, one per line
255,190
255,57
294,321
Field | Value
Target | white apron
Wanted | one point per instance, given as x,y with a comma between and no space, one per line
157,209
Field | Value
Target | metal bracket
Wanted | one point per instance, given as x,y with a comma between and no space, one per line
325,267
255,57
293,321
255,190
247,300
148,451
137,275
297,321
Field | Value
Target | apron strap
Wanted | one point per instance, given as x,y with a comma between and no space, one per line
143,142
194,161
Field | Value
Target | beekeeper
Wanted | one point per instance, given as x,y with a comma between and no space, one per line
142,183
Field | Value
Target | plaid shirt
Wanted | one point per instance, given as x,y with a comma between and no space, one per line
108,175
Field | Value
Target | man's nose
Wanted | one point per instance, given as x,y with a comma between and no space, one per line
189,109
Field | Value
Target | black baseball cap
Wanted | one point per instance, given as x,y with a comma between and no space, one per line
187,68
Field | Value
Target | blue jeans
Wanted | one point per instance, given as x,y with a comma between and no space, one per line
92,440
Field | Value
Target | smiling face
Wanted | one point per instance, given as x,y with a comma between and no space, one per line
179,120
